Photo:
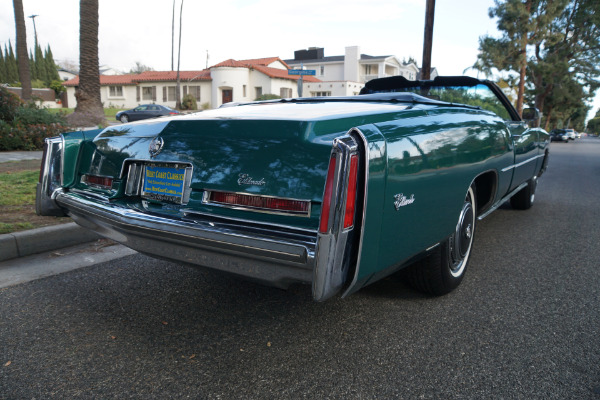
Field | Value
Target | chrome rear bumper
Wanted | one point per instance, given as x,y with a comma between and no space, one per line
277,257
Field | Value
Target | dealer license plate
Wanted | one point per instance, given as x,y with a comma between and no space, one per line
165,183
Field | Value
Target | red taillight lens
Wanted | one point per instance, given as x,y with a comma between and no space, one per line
260,202
173,113
326,205
351,193
101,181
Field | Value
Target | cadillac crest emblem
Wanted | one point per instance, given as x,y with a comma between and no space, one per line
156,146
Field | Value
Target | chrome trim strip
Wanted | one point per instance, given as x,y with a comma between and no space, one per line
364,210
206,194
521,163
331,260
501,201
45,203
188,211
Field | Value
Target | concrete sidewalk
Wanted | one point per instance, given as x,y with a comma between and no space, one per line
40,240
6,156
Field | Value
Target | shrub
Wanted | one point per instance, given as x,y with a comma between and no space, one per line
267,96
189,102
24,126
9,104
58,87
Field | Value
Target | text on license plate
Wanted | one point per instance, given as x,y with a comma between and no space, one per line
163,183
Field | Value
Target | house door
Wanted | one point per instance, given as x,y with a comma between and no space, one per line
227,96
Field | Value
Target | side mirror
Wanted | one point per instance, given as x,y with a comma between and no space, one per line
531,115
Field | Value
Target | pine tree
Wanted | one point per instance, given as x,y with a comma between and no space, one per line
32,69
51,70
2,68
40,64
552,44
13,69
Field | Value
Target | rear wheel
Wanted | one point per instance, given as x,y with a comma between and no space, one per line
443,269
124,118
524,198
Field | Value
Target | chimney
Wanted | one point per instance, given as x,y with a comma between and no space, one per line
351,66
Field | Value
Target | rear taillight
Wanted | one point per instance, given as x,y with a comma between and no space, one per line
258,203
351,193
101,182
173,113
326,207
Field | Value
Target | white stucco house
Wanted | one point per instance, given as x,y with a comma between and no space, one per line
230,80
345,75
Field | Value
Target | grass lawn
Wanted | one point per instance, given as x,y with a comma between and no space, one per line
17,197
109,113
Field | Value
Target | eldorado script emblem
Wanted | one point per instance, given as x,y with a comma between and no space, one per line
245,179
402,200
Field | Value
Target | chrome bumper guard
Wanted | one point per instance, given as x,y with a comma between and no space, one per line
276,256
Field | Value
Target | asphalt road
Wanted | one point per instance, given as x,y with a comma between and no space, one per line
525,323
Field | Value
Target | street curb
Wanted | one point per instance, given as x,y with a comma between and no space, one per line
26,243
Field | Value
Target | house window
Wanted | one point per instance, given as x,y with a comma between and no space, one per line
322,70
171,93
115,91
195,91
320,94
258,90
285,93
147,93
244,90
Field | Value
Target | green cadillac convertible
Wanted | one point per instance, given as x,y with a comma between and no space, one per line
335,192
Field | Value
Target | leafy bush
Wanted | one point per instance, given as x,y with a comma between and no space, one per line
24,126
267,96
9,104
58,87
189,102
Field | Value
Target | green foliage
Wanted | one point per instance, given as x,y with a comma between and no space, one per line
10,65
267,96
189,102
58,87
24,126
558,43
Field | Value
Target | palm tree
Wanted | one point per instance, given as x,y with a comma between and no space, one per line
22,58
89,108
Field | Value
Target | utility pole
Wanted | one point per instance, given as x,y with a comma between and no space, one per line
178,87
173,37
34,30
428,40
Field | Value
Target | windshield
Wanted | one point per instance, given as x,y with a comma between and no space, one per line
479,95
452,89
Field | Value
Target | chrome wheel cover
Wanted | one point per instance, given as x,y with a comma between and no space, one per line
462,239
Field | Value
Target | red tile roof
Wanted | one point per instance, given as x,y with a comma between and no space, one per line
163,76
106,80
260,64
265,61
147,76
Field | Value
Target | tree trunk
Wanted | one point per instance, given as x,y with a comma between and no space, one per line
89,106
521,92
22,58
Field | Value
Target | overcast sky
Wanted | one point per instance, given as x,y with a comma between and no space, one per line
140,30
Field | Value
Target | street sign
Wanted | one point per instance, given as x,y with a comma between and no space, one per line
302,72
